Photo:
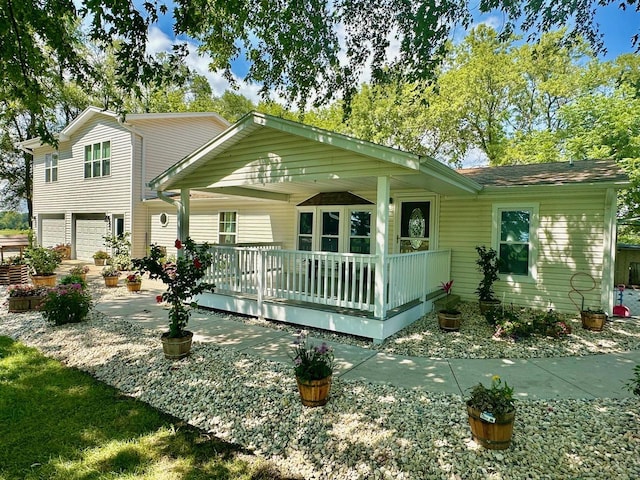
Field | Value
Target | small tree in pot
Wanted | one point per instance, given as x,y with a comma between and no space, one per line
43,262
183,280
489,265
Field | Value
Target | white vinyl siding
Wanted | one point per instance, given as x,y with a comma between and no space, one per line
570,236
51,167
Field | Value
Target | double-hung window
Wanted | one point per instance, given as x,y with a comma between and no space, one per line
51,167
360,231
227,228
516,239
97,160
305,231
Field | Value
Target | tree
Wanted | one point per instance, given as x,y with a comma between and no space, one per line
311,50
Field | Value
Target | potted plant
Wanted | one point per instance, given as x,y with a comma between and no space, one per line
449,318
110,275
184,280
488,264
593,319
43,262
14,271
80,271
134,282
313,367
64,250
491,414
24,297
100,258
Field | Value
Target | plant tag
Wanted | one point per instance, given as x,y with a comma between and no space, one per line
487,417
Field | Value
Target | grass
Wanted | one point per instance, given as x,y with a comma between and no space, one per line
61,423
8,233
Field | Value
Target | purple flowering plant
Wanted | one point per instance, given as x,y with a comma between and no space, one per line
25,290
311,362
66,303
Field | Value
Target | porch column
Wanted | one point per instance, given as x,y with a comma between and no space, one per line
382,247
183,215
609,253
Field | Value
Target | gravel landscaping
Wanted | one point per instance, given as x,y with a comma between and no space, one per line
365,431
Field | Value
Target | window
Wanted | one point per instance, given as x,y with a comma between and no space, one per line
305,231
515,230
360,231
51,167
97,160
330,237
415,226
227,228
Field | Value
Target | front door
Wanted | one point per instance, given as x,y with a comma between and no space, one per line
415,226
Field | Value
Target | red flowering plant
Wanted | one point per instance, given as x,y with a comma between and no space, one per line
450,310
183,279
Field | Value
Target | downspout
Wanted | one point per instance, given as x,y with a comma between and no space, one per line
182,209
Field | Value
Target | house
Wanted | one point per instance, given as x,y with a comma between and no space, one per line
94,183
324,230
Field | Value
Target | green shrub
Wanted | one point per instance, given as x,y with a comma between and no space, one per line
43,261
68,303
71,279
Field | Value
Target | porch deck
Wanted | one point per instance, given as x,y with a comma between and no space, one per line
333,291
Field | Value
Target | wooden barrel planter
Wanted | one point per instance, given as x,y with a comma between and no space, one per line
134,287
494,436
593,321
176,348
111,281
486,305
449,321
44,280
36,301
19,304
314,393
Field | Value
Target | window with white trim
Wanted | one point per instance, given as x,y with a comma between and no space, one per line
330,231
305,231
515,237
360,231
335,229
227,228
97,160
51,167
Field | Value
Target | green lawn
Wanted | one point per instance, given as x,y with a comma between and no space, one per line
60,423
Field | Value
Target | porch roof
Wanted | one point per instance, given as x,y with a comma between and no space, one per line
266,155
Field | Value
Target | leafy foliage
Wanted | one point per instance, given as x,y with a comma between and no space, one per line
311,362
182,278
67,303
43,261
488,264
120,246
633,385
497,399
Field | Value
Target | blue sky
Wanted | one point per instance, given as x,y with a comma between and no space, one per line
617,27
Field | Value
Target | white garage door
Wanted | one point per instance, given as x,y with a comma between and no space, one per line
52,232
89,238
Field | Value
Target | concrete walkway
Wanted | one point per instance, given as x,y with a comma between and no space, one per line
542,378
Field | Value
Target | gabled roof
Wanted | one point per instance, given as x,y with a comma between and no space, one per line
426,173
90,112
556,173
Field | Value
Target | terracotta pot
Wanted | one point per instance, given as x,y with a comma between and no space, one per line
593,321
314,393
44,280
19,304
111,281
449,321
134,287
494,436
176,348
486,305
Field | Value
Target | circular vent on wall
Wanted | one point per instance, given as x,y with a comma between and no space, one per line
164,219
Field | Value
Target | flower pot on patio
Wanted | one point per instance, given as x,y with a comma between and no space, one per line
314,393
593,320
492,435
176,348
486,305
111,281
134,287
449,320
44,280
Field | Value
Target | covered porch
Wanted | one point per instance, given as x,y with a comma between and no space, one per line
315,278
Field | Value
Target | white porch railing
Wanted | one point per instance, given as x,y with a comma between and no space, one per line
344,280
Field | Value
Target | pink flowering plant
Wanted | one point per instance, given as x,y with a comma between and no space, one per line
66,304
25,290
134,278
183,279
311,362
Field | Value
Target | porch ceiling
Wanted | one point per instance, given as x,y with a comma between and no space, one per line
263,155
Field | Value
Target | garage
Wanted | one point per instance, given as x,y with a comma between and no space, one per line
52,231
90,234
